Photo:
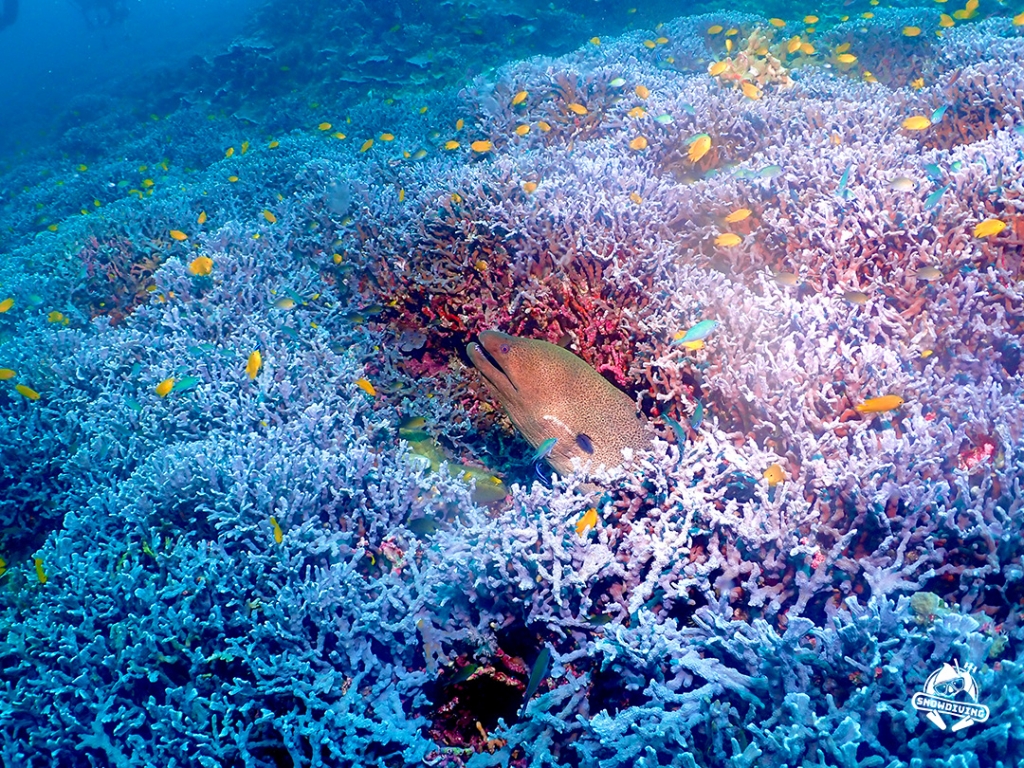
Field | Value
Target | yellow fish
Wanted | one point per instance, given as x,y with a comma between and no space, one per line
846,58
793,44
6,305
917,84
522,130
229,152
777,23
989,228
636,112
366,386
325,126
519,98
587,521
642,91
270,217
201,266
40,573
577,109
718,68
810,19
638,143
459,124
3,566
699,147
917,123
842,48
529,186
911,31
715,29
880,404
728,239
738,215
202,218
774,475
481,146
253,365
278,533
28,392
451,144
387,137
750,90
164,387
635,197
7,373
544,125
366,145
946,21
177,234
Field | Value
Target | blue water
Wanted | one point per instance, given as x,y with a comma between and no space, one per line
736,483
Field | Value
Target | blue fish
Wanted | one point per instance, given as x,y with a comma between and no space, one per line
677,428
537,674
938,113
956,165
933,199
699,332
934,172
698,415
688,109
843,180
664,119
770,171
543,449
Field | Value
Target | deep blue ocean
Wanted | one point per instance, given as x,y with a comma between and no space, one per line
527,384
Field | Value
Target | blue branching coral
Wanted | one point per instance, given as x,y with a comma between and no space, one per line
219,566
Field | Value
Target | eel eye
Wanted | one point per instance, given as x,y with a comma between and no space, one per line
505,349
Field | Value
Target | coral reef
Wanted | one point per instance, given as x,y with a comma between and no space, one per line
219,562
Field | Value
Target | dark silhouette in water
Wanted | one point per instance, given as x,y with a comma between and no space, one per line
9,14
102,13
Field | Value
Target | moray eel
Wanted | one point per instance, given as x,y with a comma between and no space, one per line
548,392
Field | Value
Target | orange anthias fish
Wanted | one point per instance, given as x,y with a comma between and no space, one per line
880,404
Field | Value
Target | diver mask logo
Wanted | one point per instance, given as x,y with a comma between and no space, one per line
950,697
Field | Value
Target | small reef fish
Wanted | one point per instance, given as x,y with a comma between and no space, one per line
7,373
698,416
543,450
856,297
40,573
843,181
26,392
6,304
677,429
253,365
519,98
728,239
586,522
177,234
738,215
664,119
537,675
880,404
201,266
930,274
163,389
938,113
638,144
699,332
699,146
187,383
933,199
278,533
366,386
488,488
774,475
916,123
548,391
577,109
903,184
481,146
989,228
